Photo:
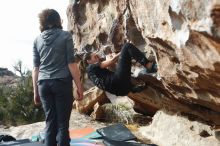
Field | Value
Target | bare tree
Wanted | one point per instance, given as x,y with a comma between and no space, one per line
19,67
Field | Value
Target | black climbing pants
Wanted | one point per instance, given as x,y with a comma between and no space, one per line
123,70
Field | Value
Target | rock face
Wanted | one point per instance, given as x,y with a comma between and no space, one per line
91,97
5,72
182,35
215,14
7,77
24,131
175,130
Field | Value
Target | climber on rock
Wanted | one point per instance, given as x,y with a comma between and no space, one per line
118,82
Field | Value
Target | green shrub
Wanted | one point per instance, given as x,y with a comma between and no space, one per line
17,105
118,113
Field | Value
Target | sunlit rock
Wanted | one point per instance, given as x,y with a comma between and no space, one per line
91,97
183,37
169,129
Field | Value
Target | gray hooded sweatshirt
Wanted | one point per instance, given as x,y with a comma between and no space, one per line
52,52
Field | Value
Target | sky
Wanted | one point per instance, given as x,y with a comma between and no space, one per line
19,26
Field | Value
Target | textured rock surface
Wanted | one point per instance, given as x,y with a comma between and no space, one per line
6,72
183,36
91,97
77,121
24,131
215,15
175,130
7,77
98,113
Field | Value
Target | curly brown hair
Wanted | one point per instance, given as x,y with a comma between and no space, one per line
49,18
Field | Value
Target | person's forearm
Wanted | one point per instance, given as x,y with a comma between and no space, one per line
35,73
74,70
110,62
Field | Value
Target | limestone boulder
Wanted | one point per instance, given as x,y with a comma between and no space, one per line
181,35
91,97
169,129
98,113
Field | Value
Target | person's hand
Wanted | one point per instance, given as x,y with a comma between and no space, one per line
80,95
37,99
113,55
110,56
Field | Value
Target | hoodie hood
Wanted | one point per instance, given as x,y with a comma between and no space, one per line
50,35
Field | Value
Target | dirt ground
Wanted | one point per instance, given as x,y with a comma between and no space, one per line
77,121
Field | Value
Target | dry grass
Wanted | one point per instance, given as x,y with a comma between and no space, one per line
118,113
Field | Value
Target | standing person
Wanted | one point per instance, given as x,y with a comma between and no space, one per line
118,82
54,69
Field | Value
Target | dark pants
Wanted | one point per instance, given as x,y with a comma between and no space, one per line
57,98
123,70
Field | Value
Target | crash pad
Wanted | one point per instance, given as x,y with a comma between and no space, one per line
16,142
117,132
5,138
32,144
81,140
123,143
85,144
85,137
93,135
80,133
